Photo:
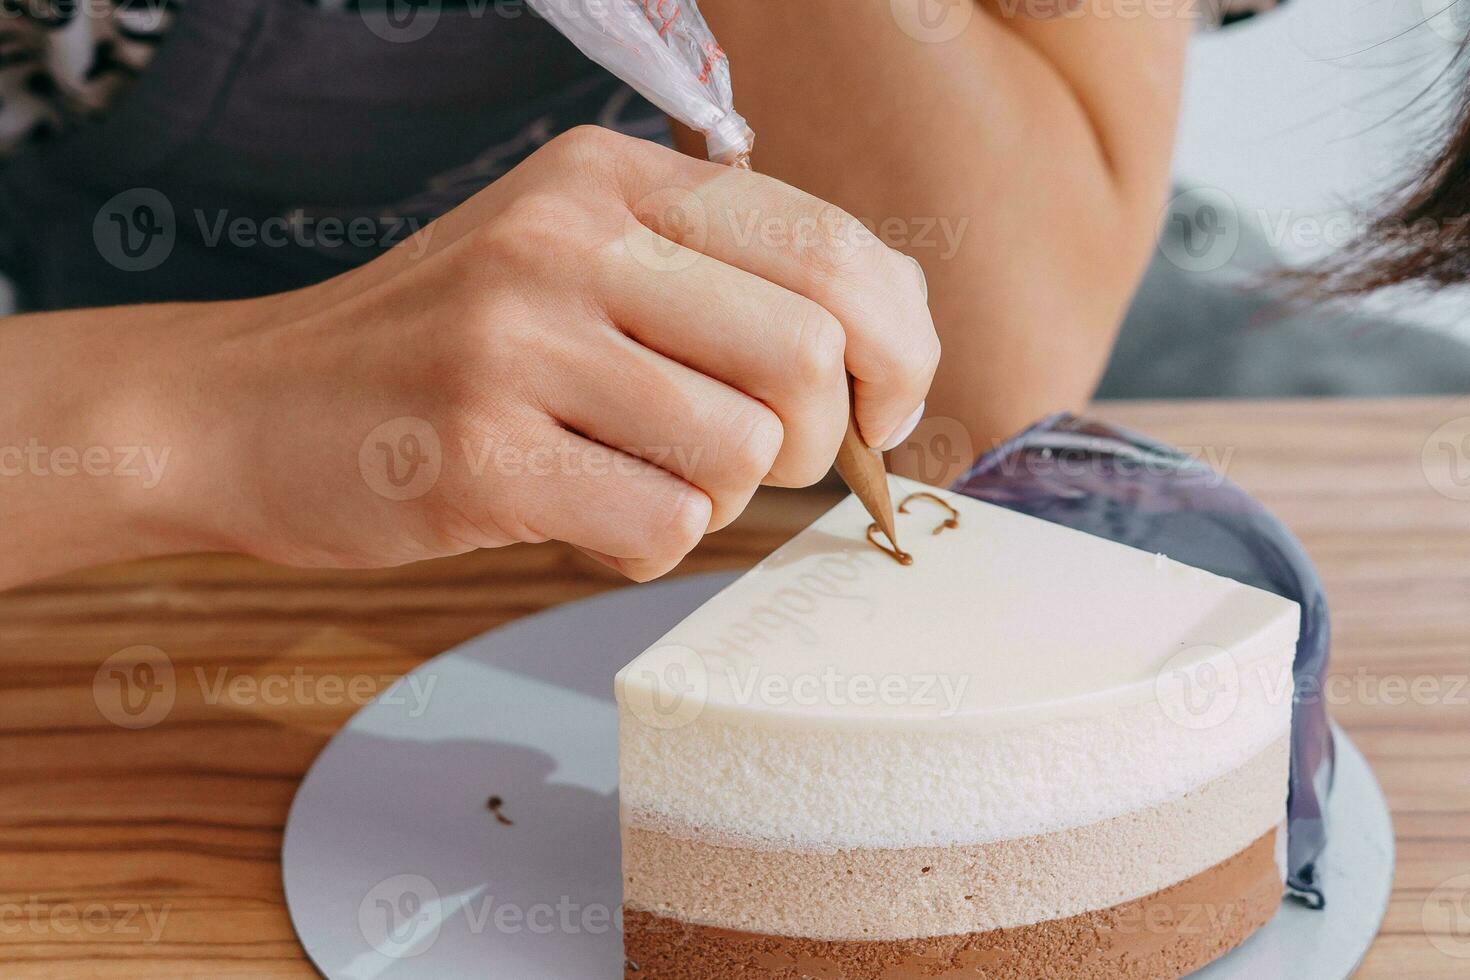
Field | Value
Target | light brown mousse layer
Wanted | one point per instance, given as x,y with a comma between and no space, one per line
910,893
1161,936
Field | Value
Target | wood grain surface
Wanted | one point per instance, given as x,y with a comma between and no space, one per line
153,851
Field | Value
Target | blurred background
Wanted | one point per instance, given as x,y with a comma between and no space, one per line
1296,124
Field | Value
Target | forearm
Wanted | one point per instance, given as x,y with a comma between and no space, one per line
104,447
1022,163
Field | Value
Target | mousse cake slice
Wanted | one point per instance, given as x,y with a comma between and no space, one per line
1031,753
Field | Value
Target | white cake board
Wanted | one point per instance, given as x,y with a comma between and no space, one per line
395,868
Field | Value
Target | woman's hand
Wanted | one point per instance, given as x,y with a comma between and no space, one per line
612,346
1020,150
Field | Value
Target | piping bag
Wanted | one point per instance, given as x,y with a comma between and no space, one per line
665,50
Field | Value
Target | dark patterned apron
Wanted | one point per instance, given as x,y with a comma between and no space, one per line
275,143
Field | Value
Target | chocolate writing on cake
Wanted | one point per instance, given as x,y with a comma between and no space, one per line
894,552
951,522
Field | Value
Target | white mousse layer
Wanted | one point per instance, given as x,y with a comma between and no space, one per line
1020,678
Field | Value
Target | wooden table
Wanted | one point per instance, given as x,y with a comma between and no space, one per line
155,852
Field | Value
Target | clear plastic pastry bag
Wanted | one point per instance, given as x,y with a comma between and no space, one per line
664,49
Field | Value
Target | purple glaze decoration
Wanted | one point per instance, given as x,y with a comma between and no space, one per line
1125,487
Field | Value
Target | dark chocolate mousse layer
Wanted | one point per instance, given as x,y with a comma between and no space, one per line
1158,937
